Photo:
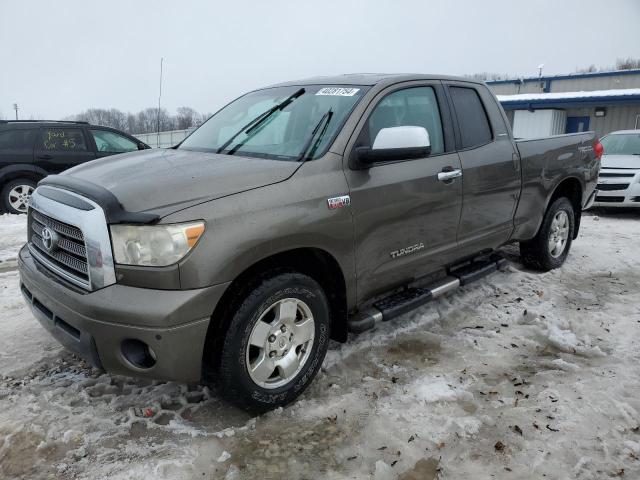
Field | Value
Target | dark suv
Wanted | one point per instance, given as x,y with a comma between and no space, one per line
31,150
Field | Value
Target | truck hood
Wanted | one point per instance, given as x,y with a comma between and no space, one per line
620,161
164,181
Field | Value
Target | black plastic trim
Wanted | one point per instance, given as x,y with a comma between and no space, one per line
113,210
62,197
158,278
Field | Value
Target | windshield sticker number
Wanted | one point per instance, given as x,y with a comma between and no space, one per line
338,91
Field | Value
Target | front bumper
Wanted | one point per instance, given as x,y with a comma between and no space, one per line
621,190
94,324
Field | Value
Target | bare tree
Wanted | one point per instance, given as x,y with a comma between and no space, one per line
590,69
628,63
144,121
187,117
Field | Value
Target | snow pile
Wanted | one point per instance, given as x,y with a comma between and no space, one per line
520,97
14,236
432,390
558,334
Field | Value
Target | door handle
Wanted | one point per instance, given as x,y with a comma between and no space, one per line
45,157
449,175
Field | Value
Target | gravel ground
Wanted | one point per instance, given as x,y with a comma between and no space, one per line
520,375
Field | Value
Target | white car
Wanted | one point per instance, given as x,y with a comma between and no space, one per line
619,180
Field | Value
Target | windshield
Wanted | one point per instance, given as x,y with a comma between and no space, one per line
621,144
247,127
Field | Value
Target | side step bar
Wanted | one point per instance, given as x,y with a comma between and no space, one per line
411,298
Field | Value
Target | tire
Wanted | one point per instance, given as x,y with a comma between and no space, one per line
559,223
15,195
257,341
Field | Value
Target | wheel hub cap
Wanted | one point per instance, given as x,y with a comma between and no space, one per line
559,234
280,343
19,197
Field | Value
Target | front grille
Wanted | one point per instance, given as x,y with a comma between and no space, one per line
604,198
607,187
68,258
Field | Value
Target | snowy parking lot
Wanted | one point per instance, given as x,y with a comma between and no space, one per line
520,375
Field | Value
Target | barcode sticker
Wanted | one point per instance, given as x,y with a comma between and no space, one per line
338,91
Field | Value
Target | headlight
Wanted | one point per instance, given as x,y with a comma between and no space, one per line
154,245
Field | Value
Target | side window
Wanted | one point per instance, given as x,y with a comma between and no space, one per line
62,140
472,118
17,138
416,107
112,142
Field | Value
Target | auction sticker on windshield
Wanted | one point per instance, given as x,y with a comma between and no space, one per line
338,91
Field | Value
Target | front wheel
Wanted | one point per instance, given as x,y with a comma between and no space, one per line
550,247
16,193
276,342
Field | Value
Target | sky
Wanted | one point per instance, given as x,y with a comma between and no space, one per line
58,58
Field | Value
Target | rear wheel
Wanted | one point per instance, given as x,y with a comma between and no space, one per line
16,193
276,342
550,247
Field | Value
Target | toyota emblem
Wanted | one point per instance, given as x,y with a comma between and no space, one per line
48,239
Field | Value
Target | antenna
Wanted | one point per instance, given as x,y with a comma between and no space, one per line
159,97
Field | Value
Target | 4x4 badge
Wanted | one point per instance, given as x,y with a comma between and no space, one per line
338,202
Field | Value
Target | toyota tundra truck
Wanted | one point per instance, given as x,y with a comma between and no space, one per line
296,214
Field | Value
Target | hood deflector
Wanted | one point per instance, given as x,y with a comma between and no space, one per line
113,210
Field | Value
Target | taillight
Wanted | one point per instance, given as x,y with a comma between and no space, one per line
598,149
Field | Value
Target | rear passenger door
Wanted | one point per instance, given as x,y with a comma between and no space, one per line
490,166
405,218
59,148
16,146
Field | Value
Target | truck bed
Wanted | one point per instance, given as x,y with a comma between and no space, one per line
545,162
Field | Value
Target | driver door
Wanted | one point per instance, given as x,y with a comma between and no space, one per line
406,218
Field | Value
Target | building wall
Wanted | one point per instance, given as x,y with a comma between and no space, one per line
617,118
573,84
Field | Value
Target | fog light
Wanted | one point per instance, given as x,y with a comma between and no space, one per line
138,353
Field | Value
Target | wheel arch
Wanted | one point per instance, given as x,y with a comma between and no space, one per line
570,188
12,172
313,262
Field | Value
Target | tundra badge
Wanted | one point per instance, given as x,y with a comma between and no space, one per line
338,202
407,250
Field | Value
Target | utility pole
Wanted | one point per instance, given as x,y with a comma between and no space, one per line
15,107
159,97
540,67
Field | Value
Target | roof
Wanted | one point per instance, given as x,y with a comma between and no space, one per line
568,99
370,79
569,76
623,132
30,122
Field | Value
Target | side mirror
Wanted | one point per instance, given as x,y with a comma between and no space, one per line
395,143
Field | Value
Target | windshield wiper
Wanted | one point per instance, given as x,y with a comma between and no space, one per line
326,118
256,122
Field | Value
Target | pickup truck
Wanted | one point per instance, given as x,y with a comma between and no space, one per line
294,215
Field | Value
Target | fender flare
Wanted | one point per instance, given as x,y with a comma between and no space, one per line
16,170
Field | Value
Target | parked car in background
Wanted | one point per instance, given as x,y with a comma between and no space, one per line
295,214
31,150
619,179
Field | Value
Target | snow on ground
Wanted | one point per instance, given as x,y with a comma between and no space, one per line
520,375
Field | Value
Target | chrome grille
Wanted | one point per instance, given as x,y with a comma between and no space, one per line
69,257
63,228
